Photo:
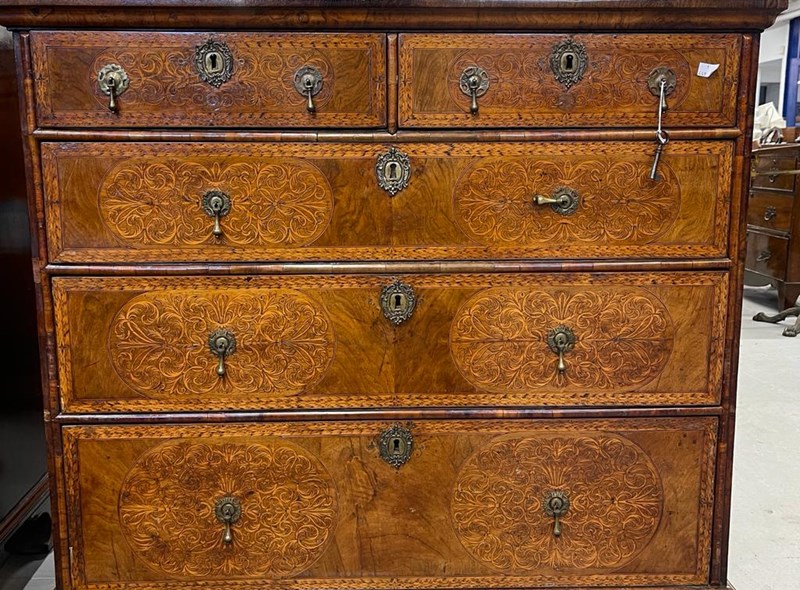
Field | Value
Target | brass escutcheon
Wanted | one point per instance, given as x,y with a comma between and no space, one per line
216,204
398,302
222,343
214,62
395,444
393,170
113,81
568,61
308,82
662,75
556,505
228,510
564,201
561,340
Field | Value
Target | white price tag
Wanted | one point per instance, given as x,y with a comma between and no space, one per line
705,70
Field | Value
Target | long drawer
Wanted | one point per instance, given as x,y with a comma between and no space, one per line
477,504
288,201
209,79
275,342
566,80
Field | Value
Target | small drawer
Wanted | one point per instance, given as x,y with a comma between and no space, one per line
766,254
352,341
484,80
209,79
122,202
770,172
770,210
424,504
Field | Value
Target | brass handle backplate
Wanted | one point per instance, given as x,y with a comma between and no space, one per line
308,82
113,81
214,62
474,82
222,343
395,444
656,78
556,505
228,510
398,302
564,201
561,340
216,204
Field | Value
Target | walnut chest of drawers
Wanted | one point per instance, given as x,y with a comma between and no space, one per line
773,221
354,294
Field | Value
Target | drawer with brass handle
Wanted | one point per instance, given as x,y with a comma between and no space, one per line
769,210
598,500
766,254
583,80
776,173
269,342
215,202
150,79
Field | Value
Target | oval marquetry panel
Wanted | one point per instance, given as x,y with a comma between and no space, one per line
619,204
149,201
614,491
158,342
498,338
288,508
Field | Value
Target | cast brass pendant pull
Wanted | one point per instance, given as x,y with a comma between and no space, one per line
216,204
561,340
564,201
770,213
113,81
474,82
228,511
308,82
556,504
222,343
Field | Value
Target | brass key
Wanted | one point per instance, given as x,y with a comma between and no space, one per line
662,139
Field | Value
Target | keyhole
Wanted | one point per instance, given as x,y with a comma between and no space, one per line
568,62
398,447
213,63
561,340
399,301
393,171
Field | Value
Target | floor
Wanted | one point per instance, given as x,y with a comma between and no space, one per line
765,520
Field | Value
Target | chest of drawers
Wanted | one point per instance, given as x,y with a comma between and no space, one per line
773,221
358,295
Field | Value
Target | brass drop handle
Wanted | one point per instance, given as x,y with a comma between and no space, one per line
308,82
561,340
222,343
113,81
216,204
474,82
556,504
770,213
564,201
764,255
228,510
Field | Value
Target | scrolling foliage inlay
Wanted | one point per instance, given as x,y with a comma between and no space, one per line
158,201
614,491
288,509
619,204
158,342
498,338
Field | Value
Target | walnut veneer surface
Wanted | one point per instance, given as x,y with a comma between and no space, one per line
306,295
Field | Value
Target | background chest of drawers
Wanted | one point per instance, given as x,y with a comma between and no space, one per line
773,221
352,295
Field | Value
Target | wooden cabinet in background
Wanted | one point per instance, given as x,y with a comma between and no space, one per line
773,221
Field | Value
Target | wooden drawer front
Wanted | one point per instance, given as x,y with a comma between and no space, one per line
766,165
770,211
138,202
523,90
325,342
319,507
165,88
766,254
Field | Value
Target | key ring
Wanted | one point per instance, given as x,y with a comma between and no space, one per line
662,137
